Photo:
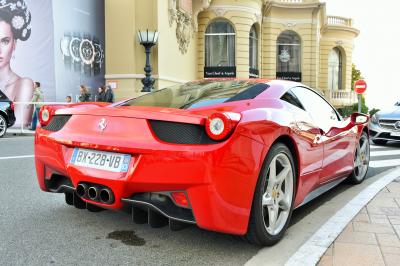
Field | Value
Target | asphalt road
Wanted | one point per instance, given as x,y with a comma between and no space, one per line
38,228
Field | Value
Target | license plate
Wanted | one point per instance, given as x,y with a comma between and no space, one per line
395,134
109,161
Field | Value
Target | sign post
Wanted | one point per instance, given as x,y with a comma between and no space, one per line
360,86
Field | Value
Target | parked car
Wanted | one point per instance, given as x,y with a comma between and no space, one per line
7,117
233,156
384,125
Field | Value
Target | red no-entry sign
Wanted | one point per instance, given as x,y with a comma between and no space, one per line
360,86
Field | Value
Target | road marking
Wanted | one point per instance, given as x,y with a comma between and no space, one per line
17,157
378,147
16,138
384,163
313,249
384,153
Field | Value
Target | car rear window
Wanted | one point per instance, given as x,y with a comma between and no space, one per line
200,94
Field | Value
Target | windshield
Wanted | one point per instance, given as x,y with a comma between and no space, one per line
200,94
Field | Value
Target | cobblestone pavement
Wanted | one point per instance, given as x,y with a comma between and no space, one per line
372,238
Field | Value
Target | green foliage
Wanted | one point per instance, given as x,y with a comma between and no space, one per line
373,111
348,110
355,75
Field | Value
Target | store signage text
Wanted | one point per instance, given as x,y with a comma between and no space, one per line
220,72
293,76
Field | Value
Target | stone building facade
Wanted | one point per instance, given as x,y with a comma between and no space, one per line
286,39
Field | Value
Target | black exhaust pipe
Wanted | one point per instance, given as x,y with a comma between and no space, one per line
82,190
106,196
93,193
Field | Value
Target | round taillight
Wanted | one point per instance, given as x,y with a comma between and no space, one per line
220,125
217,126
45,115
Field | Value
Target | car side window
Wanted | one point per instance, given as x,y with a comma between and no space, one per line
292,99
318,108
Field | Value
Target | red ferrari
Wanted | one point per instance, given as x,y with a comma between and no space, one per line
233,156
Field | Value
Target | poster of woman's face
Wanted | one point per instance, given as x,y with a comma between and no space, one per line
39,42
15,20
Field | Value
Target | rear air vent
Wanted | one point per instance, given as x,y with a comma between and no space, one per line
57,122
180,133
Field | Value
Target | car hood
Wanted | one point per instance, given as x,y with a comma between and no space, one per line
392,113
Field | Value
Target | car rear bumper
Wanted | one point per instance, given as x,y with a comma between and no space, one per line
379,133
11,119
218,179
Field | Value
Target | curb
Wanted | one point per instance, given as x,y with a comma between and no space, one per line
314,248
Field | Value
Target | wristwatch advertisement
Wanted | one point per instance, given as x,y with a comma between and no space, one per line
82,54
87,53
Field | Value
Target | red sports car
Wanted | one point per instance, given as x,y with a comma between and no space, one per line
233,156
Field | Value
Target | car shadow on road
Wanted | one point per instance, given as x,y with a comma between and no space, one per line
201,247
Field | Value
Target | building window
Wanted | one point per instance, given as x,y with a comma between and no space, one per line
220,50
288,56
253,53
335,70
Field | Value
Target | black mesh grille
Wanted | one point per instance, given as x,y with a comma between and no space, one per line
57,122
388,136
180,133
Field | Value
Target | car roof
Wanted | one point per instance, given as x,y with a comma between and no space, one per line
277,87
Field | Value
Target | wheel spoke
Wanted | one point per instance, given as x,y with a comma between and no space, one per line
364,146
283,175
272,175
267,200
358,162
272,216
358,151
284,205
272,171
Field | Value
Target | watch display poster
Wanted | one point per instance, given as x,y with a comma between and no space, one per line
79,46
59,43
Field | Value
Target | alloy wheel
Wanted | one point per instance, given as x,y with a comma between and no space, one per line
361,158
3,126
278,193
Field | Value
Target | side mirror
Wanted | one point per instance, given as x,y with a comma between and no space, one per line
359,119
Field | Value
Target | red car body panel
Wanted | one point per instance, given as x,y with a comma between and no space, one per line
219,179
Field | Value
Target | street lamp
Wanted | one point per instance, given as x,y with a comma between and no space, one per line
148,39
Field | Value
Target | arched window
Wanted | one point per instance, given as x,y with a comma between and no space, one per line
288,56
335,70
253,52
220,50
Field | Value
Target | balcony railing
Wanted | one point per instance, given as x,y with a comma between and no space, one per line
297,1
291,1
340,98
339,21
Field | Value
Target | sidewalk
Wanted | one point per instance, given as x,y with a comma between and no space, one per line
17,131
372,237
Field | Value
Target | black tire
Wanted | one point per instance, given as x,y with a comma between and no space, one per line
257,233
3,126
355,177
379,141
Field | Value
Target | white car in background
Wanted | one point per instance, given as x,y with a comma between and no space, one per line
384,126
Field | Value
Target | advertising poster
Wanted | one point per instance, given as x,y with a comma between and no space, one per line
79,47
26,52
57,43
